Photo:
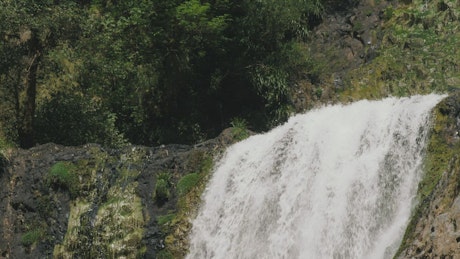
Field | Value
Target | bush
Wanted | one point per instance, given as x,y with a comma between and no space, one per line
162,186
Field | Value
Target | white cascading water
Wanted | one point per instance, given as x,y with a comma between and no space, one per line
337,182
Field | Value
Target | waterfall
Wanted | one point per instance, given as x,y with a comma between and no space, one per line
336,182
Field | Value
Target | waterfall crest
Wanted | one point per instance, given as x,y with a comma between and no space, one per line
336,182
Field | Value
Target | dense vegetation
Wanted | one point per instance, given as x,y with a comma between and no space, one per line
148,71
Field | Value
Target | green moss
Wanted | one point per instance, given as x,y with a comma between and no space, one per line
187,182
64,174
119,225
438,156
142,252
179,224
162,220
106,216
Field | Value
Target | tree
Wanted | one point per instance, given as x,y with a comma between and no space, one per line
264,56
30,29
149,71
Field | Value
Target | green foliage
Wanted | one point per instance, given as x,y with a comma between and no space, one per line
193,17
187,182
271,84
150,72
63,174
418,54
240,128
73,120
31,237
28,32
162,191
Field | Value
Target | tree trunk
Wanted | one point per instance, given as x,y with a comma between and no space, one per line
26,131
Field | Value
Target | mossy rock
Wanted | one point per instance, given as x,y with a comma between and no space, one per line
440,184
190,188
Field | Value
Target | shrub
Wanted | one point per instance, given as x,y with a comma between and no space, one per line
162,186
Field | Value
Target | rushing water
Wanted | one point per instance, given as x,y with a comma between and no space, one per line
337,182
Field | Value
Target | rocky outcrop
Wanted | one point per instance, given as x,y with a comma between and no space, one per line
434,231
349,37
91,202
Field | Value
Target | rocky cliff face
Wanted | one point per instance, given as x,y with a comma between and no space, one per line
90,202
434,230
379,48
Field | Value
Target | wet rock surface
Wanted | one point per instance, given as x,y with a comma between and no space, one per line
107,207
435,228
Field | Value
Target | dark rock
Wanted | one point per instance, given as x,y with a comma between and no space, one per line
105,176
350,35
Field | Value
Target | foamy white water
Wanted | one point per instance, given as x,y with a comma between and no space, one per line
337,182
